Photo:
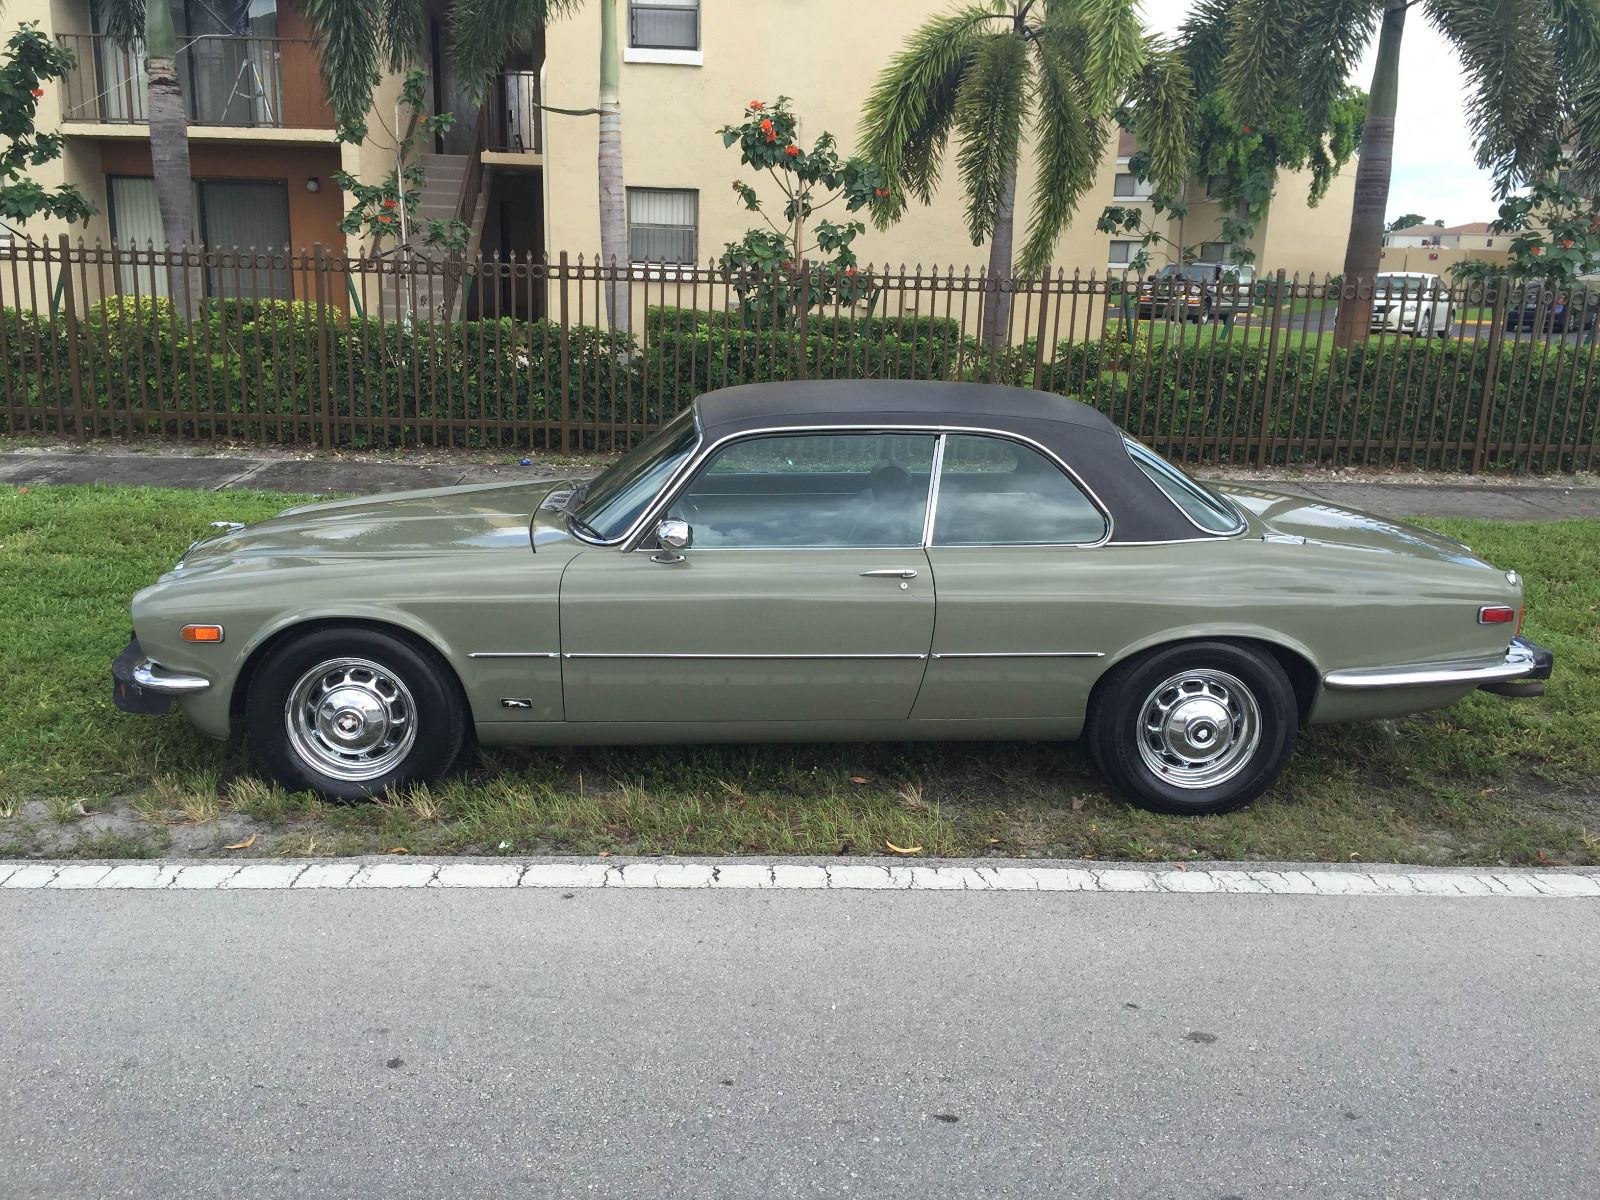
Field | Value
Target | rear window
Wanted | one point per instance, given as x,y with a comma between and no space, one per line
1210,512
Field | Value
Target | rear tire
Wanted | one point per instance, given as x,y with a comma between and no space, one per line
349,713
1203,727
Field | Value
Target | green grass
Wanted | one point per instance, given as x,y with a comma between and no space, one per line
1487,781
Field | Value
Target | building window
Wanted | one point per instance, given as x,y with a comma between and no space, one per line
1216,187
1122,253
1129,186
664,24
1216,252
232,214
662,223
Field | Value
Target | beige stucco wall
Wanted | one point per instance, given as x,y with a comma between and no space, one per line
671,114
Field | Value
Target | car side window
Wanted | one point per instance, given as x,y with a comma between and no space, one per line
996,492
821,490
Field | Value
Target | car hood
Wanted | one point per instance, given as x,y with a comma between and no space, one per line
1331,525
475,517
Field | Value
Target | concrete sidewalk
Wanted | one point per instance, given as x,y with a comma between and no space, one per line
1496,500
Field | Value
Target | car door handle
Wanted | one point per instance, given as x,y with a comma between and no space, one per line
890,573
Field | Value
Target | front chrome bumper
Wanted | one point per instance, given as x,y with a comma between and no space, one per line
1524,662
139,685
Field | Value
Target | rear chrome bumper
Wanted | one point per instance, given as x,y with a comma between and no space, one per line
139,685
1523,662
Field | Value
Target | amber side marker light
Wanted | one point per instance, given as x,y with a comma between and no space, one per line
201,633
1497,614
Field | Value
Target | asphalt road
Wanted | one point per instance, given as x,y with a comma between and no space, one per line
765,1044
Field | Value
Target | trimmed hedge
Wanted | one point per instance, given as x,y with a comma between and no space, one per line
261,369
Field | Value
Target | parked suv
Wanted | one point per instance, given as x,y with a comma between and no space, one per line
1197,291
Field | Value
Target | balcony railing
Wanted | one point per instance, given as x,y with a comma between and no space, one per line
513,113
241,82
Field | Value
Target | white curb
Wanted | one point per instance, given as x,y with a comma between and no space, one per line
786,875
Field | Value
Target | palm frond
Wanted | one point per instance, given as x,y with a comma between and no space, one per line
1514,74
404,35
1204,38
482,32
1163,113
1114,44
1577,32
1263,43
1333,36
1071,138
988,116
123,21
905,124
349,32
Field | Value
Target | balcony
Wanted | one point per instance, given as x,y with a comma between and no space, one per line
512,112
230,82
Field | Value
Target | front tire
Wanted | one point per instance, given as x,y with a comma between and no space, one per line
1198,728
350,713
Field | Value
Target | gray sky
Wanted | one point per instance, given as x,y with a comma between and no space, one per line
1433,169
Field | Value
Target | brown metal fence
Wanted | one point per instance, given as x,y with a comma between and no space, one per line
319,349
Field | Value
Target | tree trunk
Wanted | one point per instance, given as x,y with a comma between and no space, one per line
613,196
1363,252
169,151
997,307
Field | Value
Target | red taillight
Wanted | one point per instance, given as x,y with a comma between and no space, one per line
1499,614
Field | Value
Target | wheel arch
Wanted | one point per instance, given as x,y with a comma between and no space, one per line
1296,662
266,646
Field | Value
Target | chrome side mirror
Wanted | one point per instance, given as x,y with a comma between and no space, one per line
672,536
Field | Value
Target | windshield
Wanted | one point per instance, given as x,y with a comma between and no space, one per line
612,503
1197,273
1407,284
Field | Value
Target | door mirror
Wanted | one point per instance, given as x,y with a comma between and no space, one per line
672,536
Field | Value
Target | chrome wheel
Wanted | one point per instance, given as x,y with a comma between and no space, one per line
1199,728
350,719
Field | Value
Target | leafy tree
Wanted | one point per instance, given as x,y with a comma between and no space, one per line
363,37
381,211
1555,236
32,60
1240,168
1062,68
1406,221
809,179
1533,70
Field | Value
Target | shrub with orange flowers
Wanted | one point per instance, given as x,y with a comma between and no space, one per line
29,60
789,265
375,207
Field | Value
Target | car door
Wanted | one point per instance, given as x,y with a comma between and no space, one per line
1018,619
805,594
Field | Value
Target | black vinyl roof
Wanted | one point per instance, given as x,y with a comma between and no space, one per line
892,401
1081,436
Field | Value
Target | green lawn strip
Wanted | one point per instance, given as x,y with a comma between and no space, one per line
1488,781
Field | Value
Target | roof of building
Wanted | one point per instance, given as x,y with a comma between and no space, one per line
892,401
1469,227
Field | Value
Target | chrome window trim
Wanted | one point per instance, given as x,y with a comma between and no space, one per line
699,444
1129,445
927,537
674,486
931,513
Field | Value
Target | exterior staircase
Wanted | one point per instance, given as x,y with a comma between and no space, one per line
443,199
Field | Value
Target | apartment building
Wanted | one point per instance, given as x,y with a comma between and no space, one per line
523,174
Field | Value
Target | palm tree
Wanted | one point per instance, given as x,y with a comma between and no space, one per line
361,36
128,23
1533,69
1062,66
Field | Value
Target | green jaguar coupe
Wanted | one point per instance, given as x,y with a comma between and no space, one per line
827,561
